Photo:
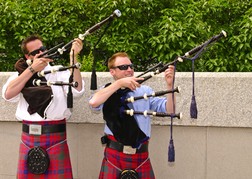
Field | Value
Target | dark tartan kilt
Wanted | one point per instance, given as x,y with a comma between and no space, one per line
60,164
125,161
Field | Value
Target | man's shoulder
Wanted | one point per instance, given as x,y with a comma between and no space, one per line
145,87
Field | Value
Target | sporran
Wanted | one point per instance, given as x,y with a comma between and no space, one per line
129,174
38,160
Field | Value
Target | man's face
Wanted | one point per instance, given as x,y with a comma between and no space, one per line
122,68
34,47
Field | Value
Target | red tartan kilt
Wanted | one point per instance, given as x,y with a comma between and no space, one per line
60,164
125,161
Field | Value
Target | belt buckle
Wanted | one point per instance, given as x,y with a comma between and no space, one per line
35,129
129,150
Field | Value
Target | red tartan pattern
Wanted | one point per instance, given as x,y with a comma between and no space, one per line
125,161
60,163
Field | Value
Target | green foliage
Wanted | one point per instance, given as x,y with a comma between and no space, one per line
235,52
150,31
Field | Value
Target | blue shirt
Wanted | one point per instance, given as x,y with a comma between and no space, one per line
157,104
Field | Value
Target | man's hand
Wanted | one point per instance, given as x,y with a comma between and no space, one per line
76,46
169,76
39,64
130,82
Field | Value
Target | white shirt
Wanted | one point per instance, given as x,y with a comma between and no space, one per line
57,109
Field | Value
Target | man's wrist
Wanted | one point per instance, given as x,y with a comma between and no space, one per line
31,69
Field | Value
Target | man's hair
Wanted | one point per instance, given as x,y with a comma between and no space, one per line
27,40
111,60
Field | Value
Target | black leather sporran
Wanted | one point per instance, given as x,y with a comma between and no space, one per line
38,160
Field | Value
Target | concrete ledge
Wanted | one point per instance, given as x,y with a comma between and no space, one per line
223,99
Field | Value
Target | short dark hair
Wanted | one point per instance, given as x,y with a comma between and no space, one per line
27,40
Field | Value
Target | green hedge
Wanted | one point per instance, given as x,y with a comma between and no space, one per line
149,30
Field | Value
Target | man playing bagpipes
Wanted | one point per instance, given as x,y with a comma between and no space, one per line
127,136
43,111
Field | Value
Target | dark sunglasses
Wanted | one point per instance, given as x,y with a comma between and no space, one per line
35,52
124,67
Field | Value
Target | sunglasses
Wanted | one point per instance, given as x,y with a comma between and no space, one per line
35,52
124,67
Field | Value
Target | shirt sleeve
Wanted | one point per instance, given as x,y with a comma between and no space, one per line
77,93
15,98
157,104
98,108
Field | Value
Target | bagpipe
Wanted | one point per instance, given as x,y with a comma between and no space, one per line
195,53
61,48
192,55
160,67
54,52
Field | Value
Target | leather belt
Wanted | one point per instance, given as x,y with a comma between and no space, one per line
125,148
36,129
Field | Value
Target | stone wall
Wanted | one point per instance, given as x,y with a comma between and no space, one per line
217,144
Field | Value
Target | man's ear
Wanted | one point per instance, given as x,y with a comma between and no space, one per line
112,72
26,56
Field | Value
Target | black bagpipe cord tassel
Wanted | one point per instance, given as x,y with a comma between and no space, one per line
93,85
171,151
70,94
193,107
69,97
93,80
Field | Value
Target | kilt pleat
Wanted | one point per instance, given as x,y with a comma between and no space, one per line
57,149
